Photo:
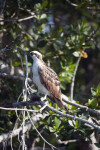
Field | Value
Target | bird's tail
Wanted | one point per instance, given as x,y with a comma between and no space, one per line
60,103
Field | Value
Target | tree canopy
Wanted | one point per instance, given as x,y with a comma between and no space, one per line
67,33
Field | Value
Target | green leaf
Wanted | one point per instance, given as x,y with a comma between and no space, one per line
77,124
73,108
89,101
76,53
71,123
57,122
38,6
89,132
93,103
43,16
16,64
51,129
93,91
98,89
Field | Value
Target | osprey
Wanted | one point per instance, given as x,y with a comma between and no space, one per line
45,79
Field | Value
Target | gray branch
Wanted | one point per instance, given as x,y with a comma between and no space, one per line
27,127
73,79
27,103
71,117
64,97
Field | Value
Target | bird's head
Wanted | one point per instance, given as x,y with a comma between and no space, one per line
35,55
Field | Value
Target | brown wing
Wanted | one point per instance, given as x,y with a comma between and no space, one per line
50,80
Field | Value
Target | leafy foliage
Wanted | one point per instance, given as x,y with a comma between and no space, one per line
62,33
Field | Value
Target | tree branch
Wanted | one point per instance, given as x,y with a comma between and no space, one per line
72,4
73,79
56,111
19,104
16,20
70,116
88,8
27,127
25,91
65,99
11,44
14,77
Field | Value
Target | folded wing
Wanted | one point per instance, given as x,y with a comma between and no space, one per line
51,82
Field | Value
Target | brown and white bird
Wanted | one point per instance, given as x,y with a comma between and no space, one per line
45,79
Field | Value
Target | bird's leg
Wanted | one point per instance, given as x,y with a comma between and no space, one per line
46,103
44,98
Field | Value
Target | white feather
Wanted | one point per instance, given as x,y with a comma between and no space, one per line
36,78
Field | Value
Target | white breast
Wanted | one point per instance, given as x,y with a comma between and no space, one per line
36,78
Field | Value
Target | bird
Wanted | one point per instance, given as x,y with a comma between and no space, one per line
46,79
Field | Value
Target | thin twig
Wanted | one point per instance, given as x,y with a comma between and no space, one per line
52,146
24,99
88,8
72,4
11,45
92,35
73,79
25,32
17,20
27,127
77,64
19,109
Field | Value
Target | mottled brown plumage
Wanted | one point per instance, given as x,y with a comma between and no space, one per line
48,79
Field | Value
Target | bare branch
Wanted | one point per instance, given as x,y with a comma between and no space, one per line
65,99
18,131
62,114
27,103
19,104
70,116
92,35
24,19
20,109
88,8
67,141
24,99
13,77
11,45
72,4
25,32
73,79
52,146
16,20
